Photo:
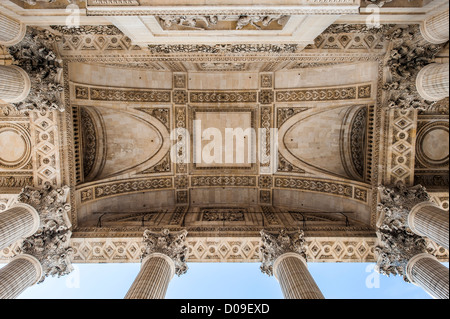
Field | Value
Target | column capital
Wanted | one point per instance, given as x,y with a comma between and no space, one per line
170,244
396,202
50,243
275,245
396,246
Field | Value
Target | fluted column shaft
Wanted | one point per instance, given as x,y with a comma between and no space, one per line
11,31
435,28
19,221
20,273
15,84
432,81
428,220
296,282
426,271
153,279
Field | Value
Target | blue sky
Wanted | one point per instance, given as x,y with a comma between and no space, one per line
225,281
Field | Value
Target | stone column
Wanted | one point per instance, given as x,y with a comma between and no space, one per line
21,272
15,84
296,282
402,252
157,270
426,271
412,208
428,220
17,222
283,255
11,31
164,256
432,81
435,28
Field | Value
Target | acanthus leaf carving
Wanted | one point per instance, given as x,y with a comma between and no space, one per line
171,244
397,243
273,245
50,243
34,54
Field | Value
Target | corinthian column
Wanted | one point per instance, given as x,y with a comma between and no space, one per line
428,220
412,208
283,255
164,256
48,246
427,272
21,272
398,247
15,84
11,31
17,222
432,81
435,28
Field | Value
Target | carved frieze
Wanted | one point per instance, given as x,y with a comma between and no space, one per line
223,97
238,181
222,48
223,214
124,187
329,94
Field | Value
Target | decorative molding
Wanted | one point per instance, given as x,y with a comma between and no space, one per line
265,138
87,29
162,114
224,249
180,97
285,166
284,113
110,189
324,94
223,214
129,95
179,81
14,180
400,146
89,142
45,135
322,186
223,97
358,140
222,48
270,216
163,166
229,181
